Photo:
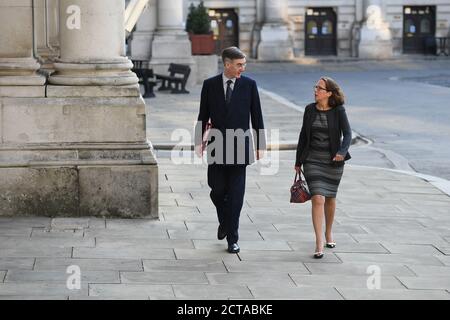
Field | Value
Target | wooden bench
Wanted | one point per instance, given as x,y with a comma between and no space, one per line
146,77
178,76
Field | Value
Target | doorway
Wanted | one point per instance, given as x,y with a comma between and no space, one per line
320,31
419,26
225,26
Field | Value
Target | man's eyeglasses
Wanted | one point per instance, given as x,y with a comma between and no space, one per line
320,88
241,65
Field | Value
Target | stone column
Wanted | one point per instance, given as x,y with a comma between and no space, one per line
141,42
375,39
276,41
46,31
82,150
171,43
92,45
18,77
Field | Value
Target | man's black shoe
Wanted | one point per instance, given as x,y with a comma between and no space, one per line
233,248
221,234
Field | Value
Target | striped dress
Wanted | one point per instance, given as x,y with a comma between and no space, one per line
322,176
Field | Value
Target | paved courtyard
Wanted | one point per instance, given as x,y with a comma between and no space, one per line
392,231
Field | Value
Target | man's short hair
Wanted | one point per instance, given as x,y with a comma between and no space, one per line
232,53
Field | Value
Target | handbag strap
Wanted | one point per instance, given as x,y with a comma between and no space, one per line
296,175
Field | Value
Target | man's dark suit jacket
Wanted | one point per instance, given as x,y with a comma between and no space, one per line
244,106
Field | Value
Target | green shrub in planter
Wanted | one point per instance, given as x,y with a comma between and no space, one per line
198,21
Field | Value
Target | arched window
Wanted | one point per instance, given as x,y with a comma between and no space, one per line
327,27
311,28
410,26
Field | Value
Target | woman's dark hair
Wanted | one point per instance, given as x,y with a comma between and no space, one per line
337,96
232,53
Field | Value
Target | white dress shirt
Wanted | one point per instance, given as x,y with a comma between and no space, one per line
225,79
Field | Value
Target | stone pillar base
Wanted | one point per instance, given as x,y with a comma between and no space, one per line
79,180
77,156
276,43
375,43
94,73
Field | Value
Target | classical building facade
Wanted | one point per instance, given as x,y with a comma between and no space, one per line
72,121
282,29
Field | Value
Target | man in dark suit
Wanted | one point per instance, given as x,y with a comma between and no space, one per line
229,102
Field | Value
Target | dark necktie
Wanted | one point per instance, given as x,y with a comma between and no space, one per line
229,92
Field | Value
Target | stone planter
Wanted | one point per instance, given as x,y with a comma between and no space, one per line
202,44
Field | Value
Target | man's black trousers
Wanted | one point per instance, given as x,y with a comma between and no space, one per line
227,183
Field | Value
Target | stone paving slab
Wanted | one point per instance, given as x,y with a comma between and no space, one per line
57,234
123,252
438,271
186,277
33,251
15,231
359,268
185,265
342,247
131,291
347,281
287,293
390,258
405,238
427,282
201,254
39,288
392,294
210,235
444,259
302,236
247,244
11,222
108,242
160,233
15,242
290,256
34,298
266,267
212,292
57,264
412,249
251,278
70,223
16,263
25,276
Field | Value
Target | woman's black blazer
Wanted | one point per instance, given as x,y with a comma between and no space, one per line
338,127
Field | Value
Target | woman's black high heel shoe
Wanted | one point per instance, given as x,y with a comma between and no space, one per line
330,245
318,255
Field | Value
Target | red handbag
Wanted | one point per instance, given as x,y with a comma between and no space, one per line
299,190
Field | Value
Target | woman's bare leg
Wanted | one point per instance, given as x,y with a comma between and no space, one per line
318,203
330,208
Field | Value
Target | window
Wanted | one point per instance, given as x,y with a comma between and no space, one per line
409,26
327,27
311,27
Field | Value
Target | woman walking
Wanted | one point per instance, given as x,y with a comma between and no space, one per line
322,150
